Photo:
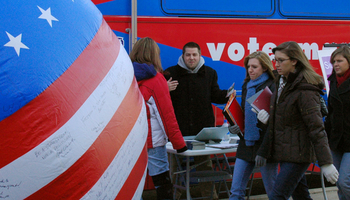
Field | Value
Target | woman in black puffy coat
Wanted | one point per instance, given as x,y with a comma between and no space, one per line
338,119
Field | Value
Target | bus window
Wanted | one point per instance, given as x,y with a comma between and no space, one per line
320,9
228,8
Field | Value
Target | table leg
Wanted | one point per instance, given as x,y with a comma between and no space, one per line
188,195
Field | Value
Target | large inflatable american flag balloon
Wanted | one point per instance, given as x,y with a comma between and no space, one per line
72,120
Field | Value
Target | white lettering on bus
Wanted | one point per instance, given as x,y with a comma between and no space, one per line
236,50
268,49
253,46
307,48
216,52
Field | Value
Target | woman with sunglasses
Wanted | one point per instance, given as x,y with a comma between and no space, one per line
296,134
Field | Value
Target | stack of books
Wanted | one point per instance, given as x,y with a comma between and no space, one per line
195,145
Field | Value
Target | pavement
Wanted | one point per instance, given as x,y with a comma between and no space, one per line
258,192
316,194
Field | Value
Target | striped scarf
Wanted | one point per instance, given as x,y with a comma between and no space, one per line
283,82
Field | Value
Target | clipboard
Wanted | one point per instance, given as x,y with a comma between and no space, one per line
261,100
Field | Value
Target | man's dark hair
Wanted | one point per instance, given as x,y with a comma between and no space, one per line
191,45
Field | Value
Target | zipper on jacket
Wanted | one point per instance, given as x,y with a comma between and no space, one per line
310,109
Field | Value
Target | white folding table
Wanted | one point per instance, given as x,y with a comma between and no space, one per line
187,154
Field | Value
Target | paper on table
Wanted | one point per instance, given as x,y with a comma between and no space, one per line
222,146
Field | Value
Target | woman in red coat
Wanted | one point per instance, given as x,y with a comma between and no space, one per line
162,124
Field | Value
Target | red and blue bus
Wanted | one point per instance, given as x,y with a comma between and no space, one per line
229,30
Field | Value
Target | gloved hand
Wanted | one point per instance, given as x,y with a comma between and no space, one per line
330,172
263,116
260,161
183,149
234,129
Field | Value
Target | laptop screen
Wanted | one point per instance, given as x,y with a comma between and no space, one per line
215,134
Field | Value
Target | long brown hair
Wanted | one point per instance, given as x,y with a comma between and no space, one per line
294,52
263,59
147,51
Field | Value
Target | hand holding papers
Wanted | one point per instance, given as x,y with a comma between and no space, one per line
261,100
231,90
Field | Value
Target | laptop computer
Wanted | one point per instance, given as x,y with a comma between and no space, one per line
210,133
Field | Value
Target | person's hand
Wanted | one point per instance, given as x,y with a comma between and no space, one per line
172,84
263,116
234,129
183,149
330,172
229,92
260,161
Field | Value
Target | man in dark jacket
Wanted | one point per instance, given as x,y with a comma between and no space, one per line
197,88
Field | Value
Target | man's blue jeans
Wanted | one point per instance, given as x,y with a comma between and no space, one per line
342,164
288,179
242,172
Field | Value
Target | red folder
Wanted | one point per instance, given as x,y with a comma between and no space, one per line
233,113
261,100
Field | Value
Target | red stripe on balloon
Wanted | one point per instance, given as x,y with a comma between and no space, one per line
75,182
130,186
40,118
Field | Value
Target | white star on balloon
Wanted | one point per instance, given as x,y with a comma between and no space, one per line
16,43
46,14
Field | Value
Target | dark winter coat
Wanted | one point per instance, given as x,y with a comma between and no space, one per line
248,153
338,119
296,131
193,97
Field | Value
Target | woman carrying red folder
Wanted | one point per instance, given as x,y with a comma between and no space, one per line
258,76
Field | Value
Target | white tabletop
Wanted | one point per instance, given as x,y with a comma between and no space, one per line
206,151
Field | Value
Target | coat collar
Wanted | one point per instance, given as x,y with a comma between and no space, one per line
183,71
296,81
143,71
